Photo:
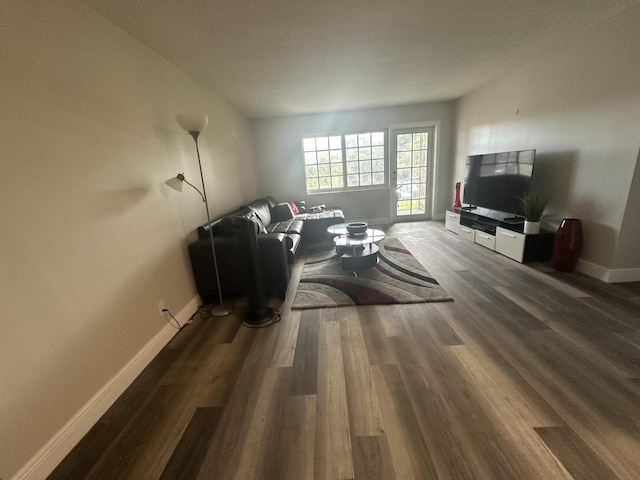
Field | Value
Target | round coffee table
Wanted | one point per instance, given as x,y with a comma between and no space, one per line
357,251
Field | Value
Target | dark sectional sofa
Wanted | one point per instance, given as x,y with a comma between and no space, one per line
280,234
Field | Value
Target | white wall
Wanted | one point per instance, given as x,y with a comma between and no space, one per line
627,245
91,237
279,153
580,108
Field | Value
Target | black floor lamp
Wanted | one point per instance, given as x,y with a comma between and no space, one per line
195,124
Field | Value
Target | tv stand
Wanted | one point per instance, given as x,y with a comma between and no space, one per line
488,220
501,232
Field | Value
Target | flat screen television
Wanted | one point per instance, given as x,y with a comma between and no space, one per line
498,181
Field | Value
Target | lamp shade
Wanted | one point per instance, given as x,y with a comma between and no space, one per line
176,182
192,123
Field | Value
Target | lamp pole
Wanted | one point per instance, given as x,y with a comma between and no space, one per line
260,315
220,310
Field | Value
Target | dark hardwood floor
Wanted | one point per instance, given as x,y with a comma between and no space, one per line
527,374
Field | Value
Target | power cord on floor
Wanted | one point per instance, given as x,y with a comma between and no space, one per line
176,325
203,312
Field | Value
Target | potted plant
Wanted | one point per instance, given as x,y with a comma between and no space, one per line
533,209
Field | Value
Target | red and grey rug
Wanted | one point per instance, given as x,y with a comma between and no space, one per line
398,278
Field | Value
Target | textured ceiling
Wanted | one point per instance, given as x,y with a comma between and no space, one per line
282,57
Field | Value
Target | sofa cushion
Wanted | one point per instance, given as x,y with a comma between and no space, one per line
228,225
262,208
326,216
316,224
288,227
281,211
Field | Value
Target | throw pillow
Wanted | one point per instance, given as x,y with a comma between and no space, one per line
294,207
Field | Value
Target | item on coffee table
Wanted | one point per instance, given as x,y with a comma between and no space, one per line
357,229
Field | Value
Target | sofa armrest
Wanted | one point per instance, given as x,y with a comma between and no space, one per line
274,261
228,257
273,245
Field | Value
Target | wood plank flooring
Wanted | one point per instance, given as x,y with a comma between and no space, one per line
527,374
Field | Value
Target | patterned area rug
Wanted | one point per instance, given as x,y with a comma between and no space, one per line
398,278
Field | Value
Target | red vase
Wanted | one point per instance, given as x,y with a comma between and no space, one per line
567,245
456,202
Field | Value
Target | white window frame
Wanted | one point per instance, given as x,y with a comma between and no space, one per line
344,160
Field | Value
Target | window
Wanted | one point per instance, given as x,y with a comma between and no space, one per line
344,161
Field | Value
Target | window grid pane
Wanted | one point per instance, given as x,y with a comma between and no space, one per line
326,166
412,151
323,162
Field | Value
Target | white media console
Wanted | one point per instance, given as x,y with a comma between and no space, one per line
501,233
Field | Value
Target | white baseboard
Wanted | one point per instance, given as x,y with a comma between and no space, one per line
49,456
619,275
592,270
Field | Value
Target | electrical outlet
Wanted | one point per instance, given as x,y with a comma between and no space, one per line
161,307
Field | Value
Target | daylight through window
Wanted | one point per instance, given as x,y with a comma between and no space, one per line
343,161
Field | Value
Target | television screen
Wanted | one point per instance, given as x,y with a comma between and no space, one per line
498,181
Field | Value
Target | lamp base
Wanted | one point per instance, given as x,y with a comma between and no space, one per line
267,317
221,310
